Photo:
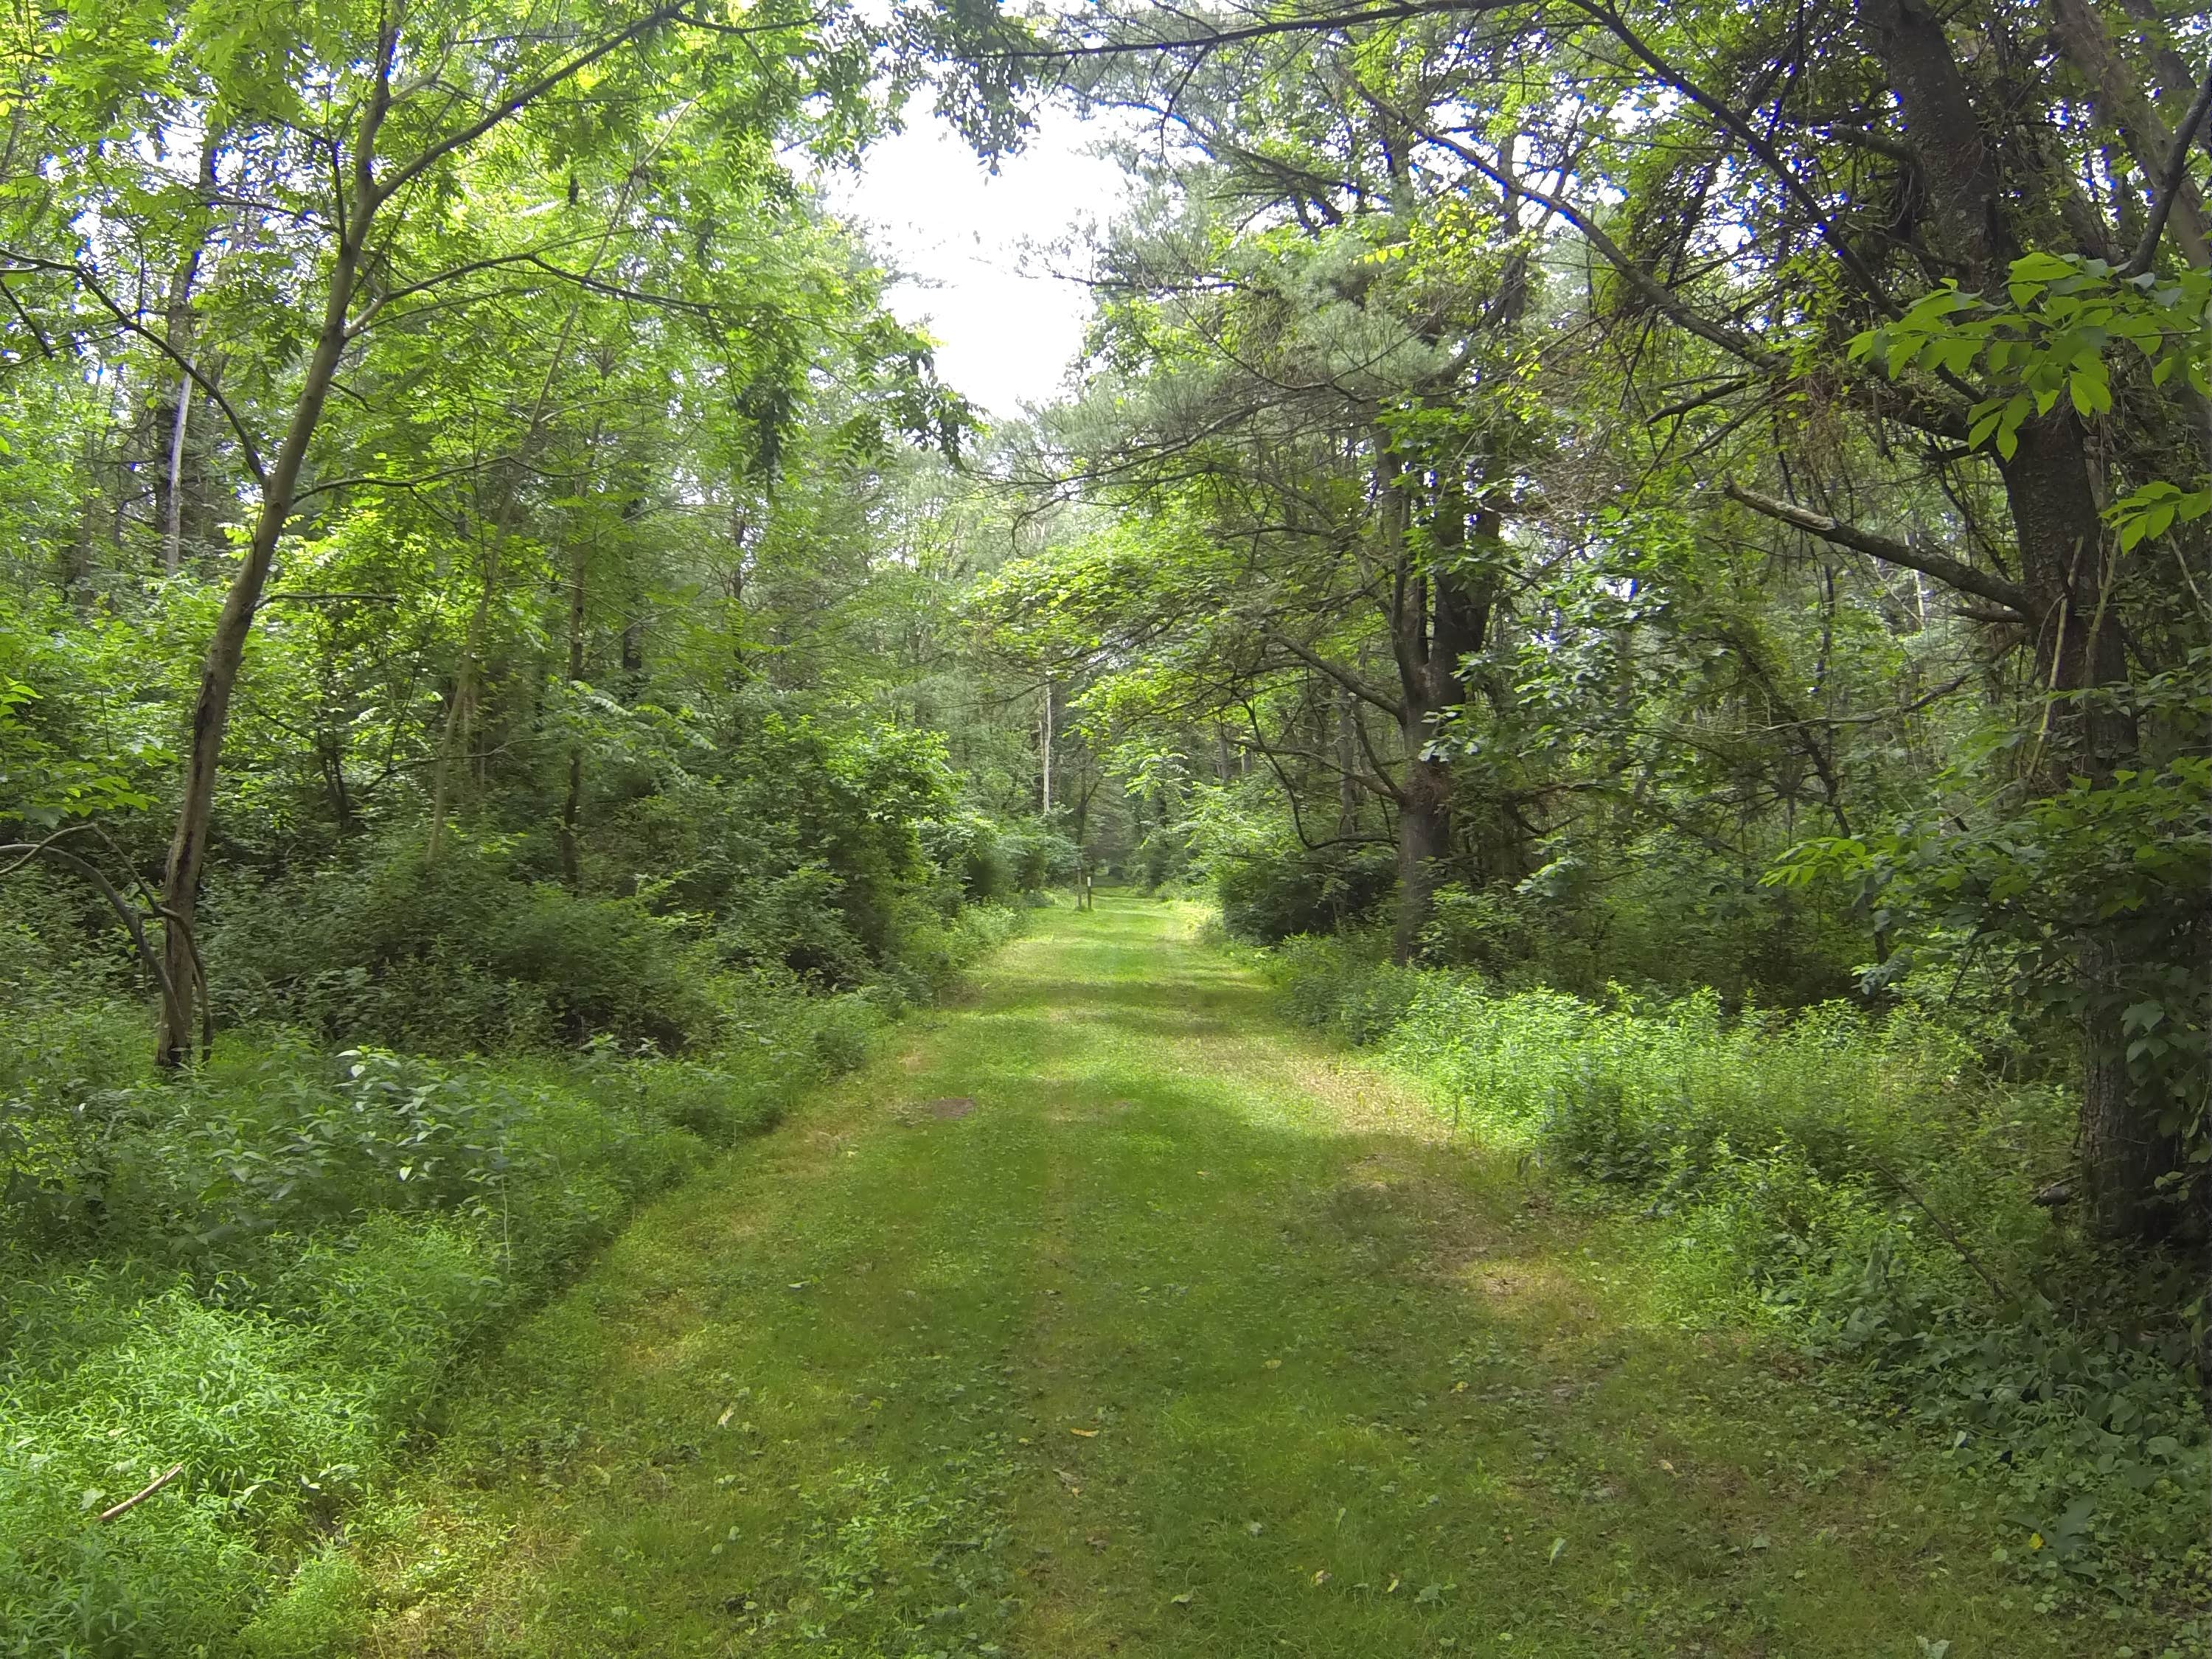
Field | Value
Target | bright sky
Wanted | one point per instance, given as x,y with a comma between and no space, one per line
1008,328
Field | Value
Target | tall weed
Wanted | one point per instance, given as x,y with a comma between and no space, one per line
269,1270
1855,1183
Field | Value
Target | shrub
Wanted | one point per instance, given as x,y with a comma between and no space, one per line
1267,898
1857,1183
269,1268
461,954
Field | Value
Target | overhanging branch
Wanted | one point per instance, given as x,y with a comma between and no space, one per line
1949,571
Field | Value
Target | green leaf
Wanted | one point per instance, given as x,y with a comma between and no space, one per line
2090,389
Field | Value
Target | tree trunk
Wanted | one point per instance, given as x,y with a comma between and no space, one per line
1436,621
1044,750
169,489
2069,567
234,624
76,562
1424,839
1347,762
2125,102
572,865
172,515
2123,1154
330,748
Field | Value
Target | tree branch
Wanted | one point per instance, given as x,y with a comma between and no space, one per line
1617,25
132,923
1648,288
1321,23
507,108
2169,187
88,280
1949,571
1351,682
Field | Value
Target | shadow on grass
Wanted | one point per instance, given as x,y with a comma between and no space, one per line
1149,1354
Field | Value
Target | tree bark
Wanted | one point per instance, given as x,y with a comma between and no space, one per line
1044,751
572,864
1347,761
234,624
1437,620
2126,103
2067,568
2123,1154
179,320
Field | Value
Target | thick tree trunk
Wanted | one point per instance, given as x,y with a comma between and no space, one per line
2123,1156
1944,131
1424,841
2066,565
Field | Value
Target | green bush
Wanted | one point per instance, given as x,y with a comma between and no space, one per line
460,954
267,1270
1267,898
1657,916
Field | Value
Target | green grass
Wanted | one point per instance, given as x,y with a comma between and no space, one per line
1194,1337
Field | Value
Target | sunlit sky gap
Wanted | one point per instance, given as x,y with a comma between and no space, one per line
1008,327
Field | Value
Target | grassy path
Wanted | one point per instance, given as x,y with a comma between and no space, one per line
1188,1338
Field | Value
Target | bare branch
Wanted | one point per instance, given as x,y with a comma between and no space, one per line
1949,571
1349,681
88,280
2169,187
143,1493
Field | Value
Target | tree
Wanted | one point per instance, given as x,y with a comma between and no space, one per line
346,136
1745,191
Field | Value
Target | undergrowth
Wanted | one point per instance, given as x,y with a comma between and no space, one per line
1857,1185
266,1271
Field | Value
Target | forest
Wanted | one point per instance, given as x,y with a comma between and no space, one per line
1603,665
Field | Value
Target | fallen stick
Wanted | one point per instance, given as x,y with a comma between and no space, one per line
143,1493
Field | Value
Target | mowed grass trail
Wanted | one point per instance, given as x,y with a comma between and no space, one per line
1187,1337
